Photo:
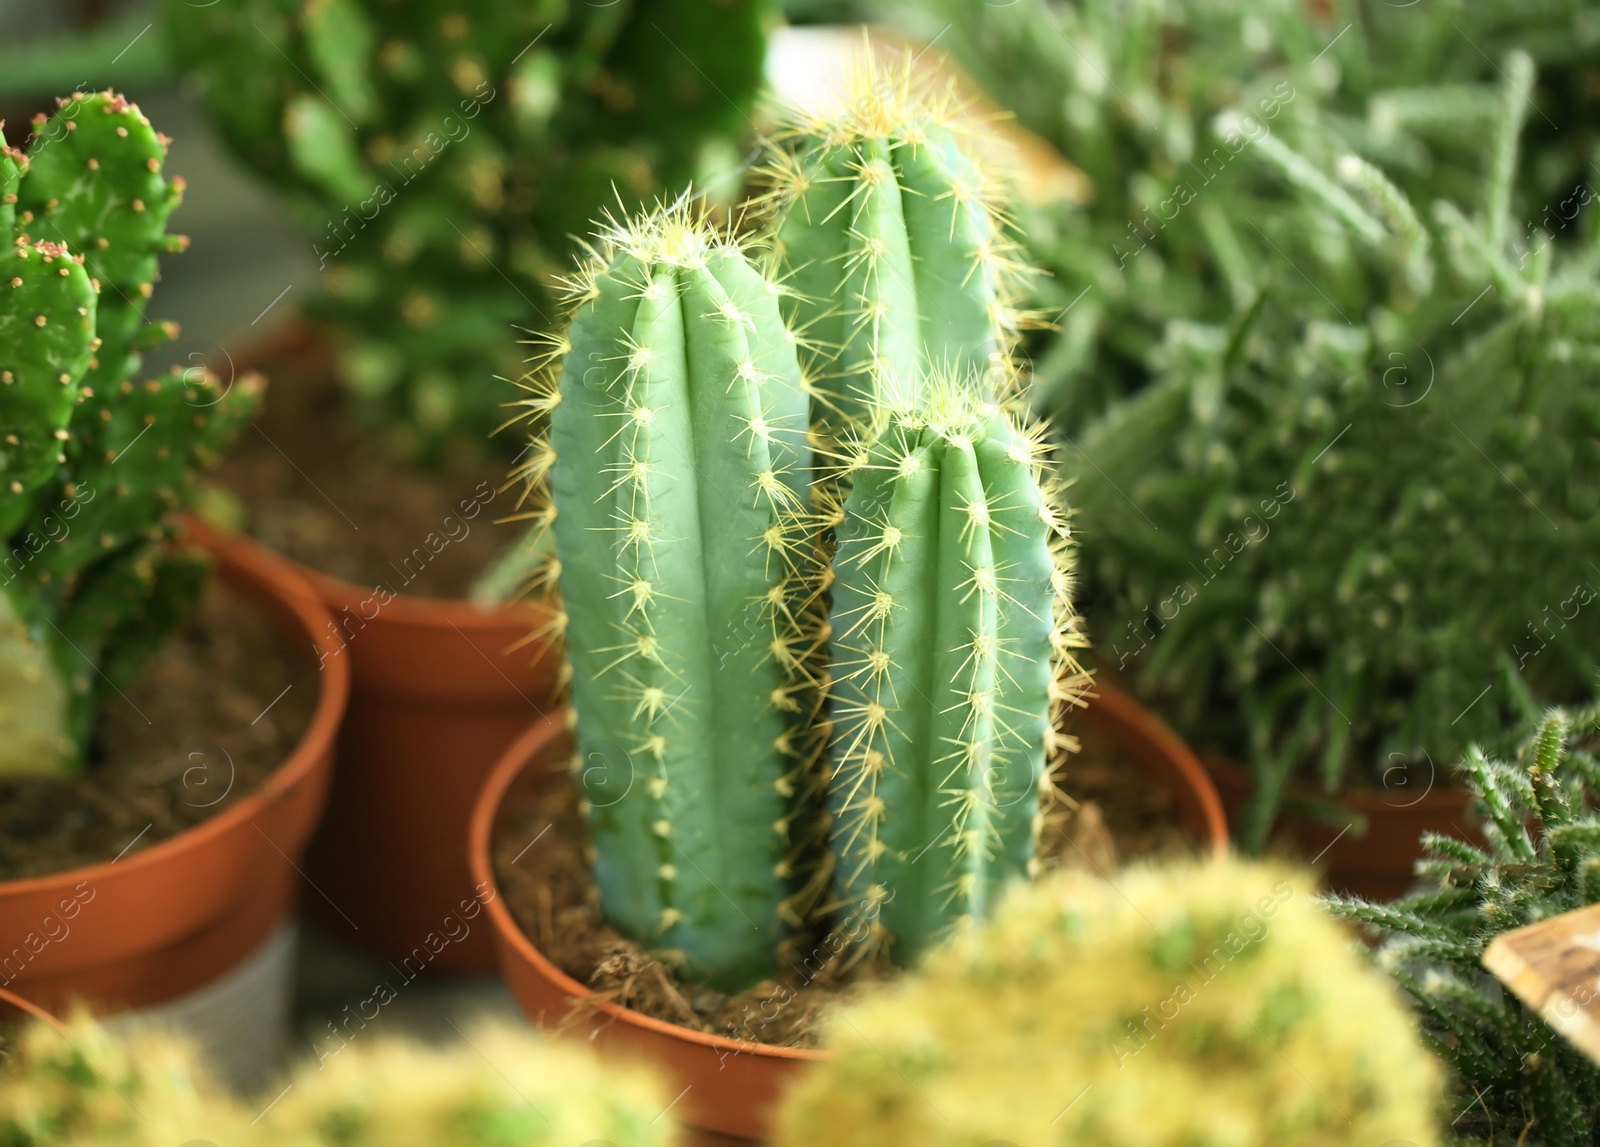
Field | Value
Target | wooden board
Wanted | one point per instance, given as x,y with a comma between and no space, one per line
1554,967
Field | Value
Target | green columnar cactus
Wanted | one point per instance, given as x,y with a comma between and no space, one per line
895,247
439,153
1210,1004
500,1087
1515,1080
952,657
92,460
677,465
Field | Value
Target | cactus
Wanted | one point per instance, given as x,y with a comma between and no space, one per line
953,658
91,581
894,244
503,1087
81,1084
439,153
1199,1004
676,460
1512,1076
500,1087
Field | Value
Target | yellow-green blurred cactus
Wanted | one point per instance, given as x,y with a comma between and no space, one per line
497,1087
1198,1006
81,1085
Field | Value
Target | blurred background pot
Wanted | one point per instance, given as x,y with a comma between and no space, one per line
1373,853
438,690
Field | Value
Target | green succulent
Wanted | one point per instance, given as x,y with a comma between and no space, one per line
671,457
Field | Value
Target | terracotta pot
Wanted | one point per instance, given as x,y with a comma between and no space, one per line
729,1087
1375,861
438,690
159,923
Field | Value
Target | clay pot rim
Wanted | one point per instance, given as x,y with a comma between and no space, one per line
295,594
479,841
414,611
1126,709
27,1008
515,760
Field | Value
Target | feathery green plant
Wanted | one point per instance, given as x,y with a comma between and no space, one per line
440,153
1206,1004
894,247
677,466
1178,228
92,461
953,658
1300,526
1515,1079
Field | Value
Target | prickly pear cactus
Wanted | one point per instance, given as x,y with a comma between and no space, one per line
440,153
893,240
92,459
1203,1004
676,463
952,659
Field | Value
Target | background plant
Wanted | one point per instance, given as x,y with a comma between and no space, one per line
1515,1080
93,458
1176,230
1206,1003
1398,464
440,155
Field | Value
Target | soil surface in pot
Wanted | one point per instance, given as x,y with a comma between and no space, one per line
316,487
1119,816
215,712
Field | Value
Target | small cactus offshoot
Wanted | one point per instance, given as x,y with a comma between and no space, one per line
676,465
952,663
1203,1004
92,458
